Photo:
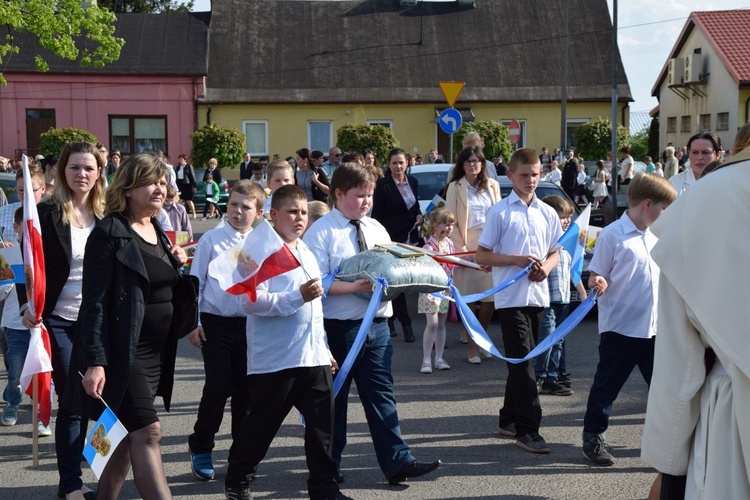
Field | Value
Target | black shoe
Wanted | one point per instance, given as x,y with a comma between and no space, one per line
408,334
89,495
392,327
550,386
339,477
340,496
239,492
564,379
533,443
413,469
597,452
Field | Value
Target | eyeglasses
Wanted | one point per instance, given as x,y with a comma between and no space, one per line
20,190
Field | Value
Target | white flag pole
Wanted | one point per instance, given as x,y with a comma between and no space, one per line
35,423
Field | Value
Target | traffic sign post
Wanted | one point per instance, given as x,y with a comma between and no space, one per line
451,91
450,119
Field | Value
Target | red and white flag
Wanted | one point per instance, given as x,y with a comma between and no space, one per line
262,256
38,358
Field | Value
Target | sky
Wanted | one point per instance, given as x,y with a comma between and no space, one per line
648,30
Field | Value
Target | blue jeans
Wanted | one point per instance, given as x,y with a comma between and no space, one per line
70,429
546,365
372,373
618,355
18,344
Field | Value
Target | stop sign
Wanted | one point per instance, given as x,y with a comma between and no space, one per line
515,131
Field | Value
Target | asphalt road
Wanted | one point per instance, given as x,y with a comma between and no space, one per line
448,415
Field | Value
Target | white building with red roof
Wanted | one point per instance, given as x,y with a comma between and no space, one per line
705,83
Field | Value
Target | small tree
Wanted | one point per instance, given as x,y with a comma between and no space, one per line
378,138
639,145
653,138
52,141
496,138
594,139
226,144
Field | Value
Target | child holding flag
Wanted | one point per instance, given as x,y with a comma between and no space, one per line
221,328
546,365
627,279
289,364
521,231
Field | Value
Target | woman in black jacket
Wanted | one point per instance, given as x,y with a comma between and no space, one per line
127,340
186,182
67,219
395,205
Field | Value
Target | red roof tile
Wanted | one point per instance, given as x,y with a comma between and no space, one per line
727,31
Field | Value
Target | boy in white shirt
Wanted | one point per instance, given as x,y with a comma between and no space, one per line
520,231
221,329
622,266
340,234
288,362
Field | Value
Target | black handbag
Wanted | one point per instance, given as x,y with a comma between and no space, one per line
186,304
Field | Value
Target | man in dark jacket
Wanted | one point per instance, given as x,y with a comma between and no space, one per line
570,174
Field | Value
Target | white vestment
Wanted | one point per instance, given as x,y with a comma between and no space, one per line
698,424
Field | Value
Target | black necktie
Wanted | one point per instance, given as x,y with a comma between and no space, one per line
360,235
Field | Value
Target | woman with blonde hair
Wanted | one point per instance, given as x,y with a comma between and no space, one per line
67,218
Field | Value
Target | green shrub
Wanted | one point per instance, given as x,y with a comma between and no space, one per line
594,139
496,138
378,138
226,144
54,140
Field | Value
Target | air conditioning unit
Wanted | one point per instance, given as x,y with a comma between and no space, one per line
693,68
675,72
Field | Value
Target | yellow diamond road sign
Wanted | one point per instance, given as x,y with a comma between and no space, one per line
451,91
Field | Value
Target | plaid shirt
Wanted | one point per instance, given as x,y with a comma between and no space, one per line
558,280
7,213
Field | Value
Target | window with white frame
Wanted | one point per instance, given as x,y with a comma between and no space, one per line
522,123
722,121
138,134
704,122
256,137
570,130
385,123
320,135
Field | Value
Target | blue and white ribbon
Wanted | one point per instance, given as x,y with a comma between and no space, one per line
359,340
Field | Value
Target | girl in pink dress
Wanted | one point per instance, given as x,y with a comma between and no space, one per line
435,309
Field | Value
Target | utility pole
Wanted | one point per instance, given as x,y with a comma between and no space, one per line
614,110
564,87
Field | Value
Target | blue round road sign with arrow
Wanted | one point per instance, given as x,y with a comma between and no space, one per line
450,120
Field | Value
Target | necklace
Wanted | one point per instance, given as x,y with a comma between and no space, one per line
82,224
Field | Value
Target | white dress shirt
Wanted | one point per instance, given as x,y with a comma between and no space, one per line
514,228
284,331
683,180
332,239
622,256
211,298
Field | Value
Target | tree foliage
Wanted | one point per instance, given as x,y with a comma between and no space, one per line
496,138
52,141
653,138
639,145
594,139
147,6
226,144
66,27
378,138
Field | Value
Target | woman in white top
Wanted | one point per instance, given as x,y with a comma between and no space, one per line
627,172
554,175
703,148
600,184
66,219
470,195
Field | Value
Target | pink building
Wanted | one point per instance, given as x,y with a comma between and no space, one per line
144,101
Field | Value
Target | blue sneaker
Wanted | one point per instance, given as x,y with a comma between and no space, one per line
201,465
10,415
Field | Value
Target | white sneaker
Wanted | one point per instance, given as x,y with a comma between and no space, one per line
43,430
426,367
440,364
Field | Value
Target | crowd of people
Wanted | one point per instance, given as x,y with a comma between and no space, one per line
112,275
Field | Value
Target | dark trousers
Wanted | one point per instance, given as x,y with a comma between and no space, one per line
520,326
208,204
272,396
618,355
225,364
372,373
401,311
70,429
